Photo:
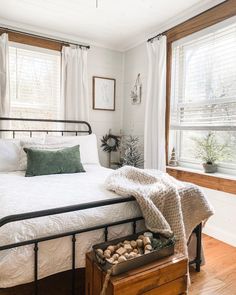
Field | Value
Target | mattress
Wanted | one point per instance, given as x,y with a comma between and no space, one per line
19,194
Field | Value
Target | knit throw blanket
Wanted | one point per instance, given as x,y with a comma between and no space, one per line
168,205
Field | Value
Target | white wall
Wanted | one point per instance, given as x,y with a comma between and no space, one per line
133,115
106,63
220,226
124,67
135,62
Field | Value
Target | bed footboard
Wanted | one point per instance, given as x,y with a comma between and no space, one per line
73,234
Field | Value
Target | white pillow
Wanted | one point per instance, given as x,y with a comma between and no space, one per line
88,146
9,155
50,146
27,143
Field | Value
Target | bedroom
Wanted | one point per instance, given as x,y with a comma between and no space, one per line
144,77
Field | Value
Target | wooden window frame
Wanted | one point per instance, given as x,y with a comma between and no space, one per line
212,181
32,40
206,19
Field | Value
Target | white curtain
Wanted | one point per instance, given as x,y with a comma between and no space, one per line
154,137
4,77
75,103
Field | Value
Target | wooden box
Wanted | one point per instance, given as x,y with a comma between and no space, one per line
167,276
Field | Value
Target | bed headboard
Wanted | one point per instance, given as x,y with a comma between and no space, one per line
82,127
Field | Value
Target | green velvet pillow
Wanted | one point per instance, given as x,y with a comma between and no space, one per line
45,162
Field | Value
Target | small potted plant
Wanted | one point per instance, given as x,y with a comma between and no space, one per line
131,152
210,151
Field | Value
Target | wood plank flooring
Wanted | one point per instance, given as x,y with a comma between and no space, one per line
218,275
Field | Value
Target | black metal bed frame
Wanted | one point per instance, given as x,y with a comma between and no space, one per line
73,208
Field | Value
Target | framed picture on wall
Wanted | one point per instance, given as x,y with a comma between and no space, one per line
104,92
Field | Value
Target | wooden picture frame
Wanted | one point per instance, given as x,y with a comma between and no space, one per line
104,93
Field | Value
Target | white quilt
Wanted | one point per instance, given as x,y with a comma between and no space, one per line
19,194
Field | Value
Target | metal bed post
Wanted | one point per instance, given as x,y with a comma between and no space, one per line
36,248
198,232
198,259
73,263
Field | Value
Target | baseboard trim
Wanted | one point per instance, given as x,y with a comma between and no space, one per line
220,234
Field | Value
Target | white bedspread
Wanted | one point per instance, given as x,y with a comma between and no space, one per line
19,194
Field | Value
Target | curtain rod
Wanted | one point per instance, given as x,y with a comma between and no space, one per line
44,38
157,36
191,18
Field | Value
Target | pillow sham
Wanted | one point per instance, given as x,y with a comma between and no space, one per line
9,155
45,162
88,146
28,143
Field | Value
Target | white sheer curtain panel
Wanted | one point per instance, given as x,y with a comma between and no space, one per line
75,104
4,77
154,137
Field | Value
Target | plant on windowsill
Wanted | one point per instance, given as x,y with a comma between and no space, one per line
210,151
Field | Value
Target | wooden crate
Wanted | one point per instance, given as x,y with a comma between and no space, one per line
167,276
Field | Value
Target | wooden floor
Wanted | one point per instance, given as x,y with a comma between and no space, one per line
218,275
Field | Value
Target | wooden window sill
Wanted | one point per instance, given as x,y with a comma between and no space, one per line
216,181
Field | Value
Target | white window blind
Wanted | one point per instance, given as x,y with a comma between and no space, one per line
203,92
204,81
34,82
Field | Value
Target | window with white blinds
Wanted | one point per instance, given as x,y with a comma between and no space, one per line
203,89
34,82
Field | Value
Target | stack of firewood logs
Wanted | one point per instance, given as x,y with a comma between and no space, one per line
126,250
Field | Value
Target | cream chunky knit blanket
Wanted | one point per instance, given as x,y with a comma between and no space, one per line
168,206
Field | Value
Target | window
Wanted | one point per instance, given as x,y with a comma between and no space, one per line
203,92
34,82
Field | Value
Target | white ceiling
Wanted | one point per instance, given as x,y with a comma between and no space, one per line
117,24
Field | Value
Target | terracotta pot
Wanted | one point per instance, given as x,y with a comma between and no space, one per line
209,168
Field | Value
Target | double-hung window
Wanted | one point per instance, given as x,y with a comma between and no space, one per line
34,82
203,93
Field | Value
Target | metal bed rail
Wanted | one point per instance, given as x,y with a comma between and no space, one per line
31,131
61,210
74,233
